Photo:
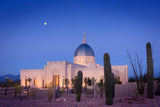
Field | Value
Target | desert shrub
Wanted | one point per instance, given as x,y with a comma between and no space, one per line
9,82
73,91
15,84
66,82
117,80
131,79
57,92
18,91
140,78
62,91
89,92
33,92
2,84
50,92
135,95
101,87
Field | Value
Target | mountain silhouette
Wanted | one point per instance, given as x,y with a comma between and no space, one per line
10,76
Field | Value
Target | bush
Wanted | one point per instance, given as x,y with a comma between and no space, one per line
62,91
131,79
18,90
50,92
73,80
101,87
117,80
73,91
33,92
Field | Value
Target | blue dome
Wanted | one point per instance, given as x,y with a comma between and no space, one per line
84,49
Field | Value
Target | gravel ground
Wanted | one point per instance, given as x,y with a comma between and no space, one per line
69,100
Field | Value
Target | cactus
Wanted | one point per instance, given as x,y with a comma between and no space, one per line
113,84
79,85
109,80
150,71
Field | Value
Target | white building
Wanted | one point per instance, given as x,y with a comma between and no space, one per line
56,72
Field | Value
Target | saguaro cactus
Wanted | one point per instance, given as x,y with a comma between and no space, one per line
113,84
109,80
150,71
79,86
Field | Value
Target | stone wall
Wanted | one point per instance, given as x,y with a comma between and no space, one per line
129,89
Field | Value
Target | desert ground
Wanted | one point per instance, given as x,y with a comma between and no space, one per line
69,100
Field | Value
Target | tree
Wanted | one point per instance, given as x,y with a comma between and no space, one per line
29,80
86,81
9,82
73,80
138,73
93,80
89,81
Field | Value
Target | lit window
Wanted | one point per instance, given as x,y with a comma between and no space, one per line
26,82
81,59
56,80
35,82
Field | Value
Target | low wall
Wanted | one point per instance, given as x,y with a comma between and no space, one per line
7,91
128,90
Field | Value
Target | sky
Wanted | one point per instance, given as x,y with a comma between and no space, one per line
112,26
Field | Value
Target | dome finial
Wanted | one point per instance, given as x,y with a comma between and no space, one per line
84,39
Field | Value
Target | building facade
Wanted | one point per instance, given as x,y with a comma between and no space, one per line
56,72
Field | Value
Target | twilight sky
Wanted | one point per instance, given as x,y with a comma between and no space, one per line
111,26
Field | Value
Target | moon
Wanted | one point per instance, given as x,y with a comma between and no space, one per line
45,23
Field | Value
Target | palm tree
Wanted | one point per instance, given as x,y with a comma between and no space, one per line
29,80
